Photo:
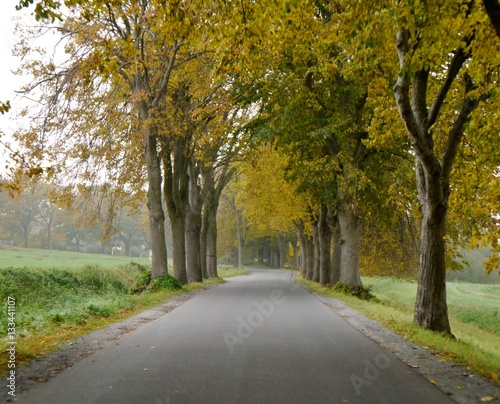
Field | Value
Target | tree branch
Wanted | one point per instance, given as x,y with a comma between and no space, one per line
456,64
493,10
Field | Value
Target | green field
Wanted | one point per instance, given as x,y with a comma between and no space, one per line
15,257
474,311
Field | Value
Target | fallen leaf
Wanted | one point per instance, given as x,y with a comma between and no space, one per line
487,399
146,369
433,381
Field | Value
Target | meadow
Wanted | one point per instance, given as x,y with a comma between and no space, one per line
17,257
61,295
474,311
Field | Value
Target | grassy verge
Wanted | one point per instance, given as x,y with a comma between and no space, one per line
54,306
473,315
18,257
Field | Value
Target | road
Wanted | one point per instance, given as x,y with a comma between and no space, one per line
255,339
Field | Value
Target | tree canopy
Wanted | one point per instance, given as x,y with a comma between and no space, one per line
347,125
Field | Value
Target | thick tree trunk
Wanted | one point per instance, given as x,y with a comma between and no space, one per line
325,241
203,244
337,252
316,244
431,309
177,200
350,229
193,260
282,249
177,222
309,257
212,244
155,207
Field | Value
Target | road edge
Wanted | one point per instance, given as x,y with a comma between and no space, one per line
461,384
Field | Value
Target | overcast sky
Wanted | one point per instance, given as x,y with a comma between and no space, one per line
9,16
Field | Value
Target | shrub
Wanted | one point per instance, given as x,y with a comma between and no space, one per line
141,283
361,292
164,282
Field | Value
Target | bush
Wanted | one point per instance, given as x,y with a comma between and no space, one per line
141,283
362,292
164,282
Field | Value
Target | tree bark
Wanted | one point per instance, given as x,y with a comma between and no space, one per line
177,222
241,233
337,251
193,209
431,310
302,240
432,171
325,240
350,229
309,257
212,243
155,207
282,249
316,249
193,258
175,192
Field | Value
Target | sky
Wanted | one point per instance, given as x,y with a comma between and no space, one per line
8,63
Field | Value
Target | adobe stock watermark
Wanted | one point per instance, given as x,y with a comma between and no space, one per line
255,319
11,348
263,310
371,372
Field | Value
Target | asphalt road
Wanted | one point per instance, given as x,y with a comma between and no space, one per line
256,339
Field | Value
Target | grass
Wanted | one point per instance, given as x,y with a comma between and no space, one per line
55,304
473,311
17,257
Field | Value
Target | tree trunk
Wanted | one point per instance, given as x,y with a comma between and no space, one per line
204,242
176,197
431,309
325,241
212,243
193,231
309,257
127,242
177,222
49,231
337,252
26,234
241,231
295,263
316,259
302,240
155,207
350,230
282,248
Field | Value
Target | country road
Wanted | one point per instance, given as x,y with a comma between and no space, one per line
255,339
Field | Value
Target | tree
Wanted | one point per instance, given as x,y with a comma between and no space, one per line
443,76
126,53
